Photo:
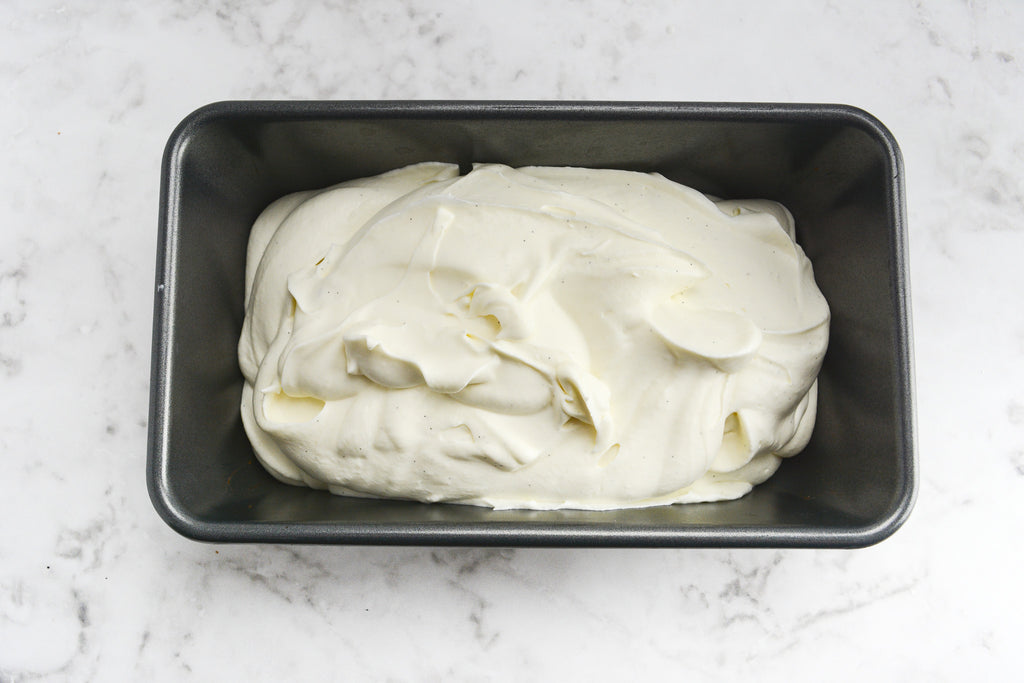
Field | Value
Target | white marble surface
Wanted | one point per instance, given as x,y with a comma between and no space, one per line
94,586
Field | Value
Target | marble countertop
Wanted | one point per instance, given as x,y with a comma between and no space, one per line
94,586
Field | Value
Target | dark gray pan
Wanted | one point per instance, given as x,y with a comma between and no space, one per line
836,167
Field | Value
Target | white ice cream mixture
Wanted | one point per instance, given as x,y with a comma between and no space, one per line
528,338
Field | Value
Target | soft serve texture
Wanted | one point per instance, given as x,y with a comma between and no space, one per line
541,337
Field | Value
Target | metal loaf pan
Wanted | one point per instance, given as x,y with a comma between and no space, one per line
835,167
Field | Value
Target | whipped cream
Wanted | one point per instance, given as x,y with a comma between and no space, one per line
528,338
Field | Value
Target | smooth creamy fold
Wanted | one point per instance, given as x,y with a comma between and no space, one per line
528,338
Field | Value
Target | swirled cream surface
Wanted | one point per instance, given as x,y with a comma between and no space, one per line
528,338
